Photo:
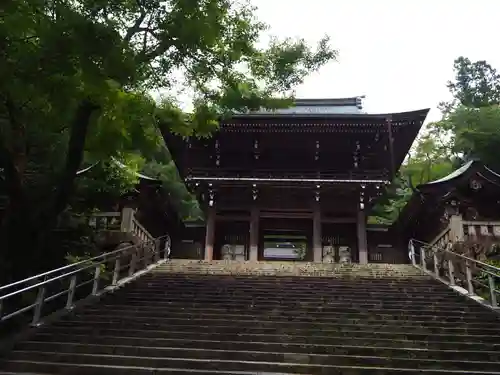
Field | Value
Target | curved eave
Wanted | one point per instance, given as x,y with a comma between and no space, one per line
465,172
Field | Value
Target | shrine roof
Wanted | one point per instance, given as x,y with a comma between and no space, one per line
461,175
425,196
308,107
121,166
328,108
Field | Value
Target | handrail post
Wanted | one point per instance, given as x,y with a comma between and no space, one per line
168,244
97,274
451,272
468,274
422,257
152,251
71,293
149,254
40,298
493,293
157,250
116,272
412,252
436,265
133,261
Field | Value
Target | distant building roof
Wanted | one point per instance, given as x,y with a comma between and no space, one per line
328,108
119,165
428,195
352,105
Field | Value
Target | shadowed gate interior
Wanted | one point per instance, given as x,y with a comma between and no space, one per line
285,239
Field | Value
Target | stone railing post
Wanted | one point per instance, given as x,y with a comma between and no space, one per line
127,219
456,228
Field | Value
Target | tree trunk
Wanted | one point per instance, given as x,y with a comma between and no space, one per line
25,228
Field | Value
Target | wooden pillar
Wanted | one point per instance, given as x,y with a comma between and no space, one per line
390,140
254,234
210,235
317,248
362,243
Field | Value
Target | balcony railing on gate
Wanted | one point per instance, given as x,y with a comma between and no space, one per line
479,280
38,296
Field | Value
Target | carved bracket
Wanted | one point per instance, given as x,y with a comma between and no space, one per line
356,156
256,150
255,192
211,196
362,197
217,152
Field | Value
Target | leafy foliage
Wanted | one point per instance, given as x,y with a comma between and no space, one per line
75,84
468,129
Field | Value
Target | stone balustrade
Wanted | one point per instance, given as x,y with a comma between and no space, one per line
120,222
459,230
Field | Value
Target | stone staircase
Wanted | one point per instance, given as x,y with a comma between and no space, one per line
269,318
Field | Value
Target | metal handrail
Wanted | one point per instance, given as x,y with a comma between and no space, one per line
69,266
470,264
482,264
150,255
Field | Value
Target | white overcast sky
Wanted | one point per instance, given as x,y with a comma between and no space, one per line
399,53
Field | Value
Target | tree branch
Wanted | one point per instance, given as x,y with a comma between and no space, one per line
136,27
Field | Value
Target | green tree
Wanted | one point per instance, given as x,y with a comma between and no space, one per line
469,129
476,85
73,84
470,120
429,160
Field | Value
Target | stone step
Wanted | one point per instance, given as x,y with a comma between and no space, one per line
201,360
159,345
363,320
266,285
331,325
296,314
297,271
353,268
285,274
290,294
413,334
298,288
283,279
92,369
401,316
323,308
160,357
254,341
270,290
172,298
291,264
287,295
344,325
